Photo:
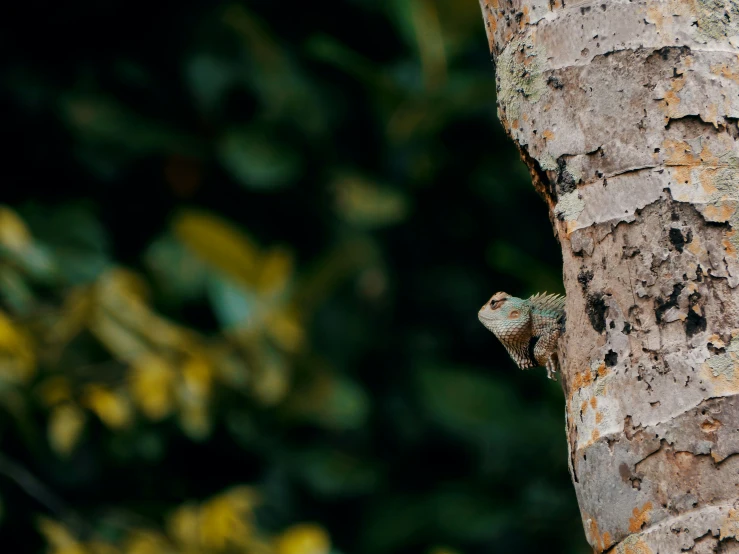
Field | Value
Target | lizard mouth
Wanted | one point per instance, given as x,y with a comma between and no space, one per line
482,316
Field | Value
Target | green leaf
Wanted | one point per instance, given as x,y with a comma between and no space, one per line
334,473
257,161
231,303
180,273
209,79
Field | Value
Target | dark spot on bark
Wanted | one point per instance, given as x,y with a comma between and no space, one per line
695,323
677,239
624,472
713,349
603,7
675,216
554,82
584,278
699,274
565,181
612,325
584,10
665,304
611,358
596,310
727,545
627,328
630,251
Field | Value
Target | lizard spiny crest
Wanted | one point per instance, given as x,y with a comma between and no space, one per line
528,329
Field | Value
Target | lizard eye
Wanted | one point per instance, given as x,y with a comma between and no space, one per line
495,304
514,314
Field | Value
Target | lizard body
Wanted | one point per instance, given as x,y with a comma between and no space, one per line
528,329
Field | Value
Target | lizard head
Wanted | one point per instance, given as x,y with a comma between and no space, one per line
505,315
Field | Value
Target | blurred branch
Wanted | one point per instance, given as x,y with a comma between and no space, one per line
34,488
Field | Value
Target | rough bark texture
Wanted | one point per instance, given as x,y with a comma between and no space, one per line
626,114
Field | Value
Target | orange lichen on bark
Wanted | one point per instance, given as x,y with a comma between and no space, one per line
637,546
724,70
730,525
728,244
598,418
582,379
600,542
711,425
641,517
548,134
671,100
593,402
595,435
720,213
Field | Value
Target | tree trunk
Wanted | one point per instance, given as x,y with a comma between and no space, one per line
626,114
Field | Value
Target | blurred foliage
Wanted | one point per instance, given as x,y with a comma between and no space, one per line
242,249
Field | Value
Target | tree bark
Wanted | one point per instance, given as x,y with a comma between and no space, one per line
626,114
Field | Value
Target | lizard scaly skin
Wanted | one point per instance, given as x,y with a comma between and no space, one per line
528,328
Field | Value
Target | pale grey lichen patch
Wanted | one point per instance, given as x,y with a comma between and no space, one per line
724,365
520,76
548,162
718,19
570,206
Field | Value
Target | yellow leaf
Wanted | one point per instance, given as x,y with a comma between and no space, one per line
73,317
183,525
219,244
226,520
243,498
112,407
98,547
285,328
195,419
275,271
197,375
147,542
304,538
66,423
122,341
368,204
14,234
59,538
271,382
17,358
54,390
152,381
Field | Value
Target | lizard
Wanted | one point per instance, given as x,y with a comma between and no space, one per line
529,329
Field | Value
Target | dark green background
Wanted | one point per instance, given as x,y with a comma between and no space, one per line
362,137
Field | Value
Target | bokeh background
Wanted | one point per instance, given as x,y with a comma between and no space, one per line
242,250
